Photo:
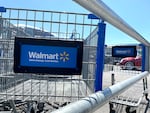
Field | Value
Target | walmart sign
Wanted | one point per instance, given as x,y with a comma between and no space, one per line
124,51
47,56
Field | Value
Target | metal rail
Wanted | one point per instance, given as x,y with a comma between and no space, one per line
96,100
102,11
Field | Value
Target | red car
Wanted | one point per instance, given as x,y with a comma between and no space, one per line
131,63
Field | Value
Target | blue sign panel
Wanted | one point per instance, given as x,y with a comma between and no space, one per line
48,56
124,51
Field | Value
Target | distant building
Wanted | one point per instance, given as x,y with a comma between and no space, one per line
34,31
9,31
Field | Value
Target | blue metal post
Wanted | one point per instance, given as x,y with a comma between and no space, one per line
143,57
100,56
100,53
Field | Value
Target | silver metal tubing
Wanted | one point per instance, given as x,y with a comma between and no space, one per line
96,100
102,11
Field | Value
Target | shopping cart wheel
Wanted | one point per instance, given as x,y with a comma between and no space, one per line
128,110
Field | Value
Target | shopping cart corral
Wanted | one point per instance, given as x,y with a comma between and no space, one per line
20,106
38,93
128,104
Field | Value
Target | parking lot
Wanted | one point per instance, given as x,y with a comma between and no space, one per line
55,93
43,92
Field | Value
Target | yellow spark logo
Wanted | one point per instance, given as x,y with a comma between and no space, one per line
64,56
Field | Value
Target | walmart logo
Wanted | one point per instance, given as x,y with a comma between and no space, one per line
44,57
64,56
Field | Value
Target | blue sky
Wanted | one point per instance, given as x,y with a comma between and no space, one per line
134,12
